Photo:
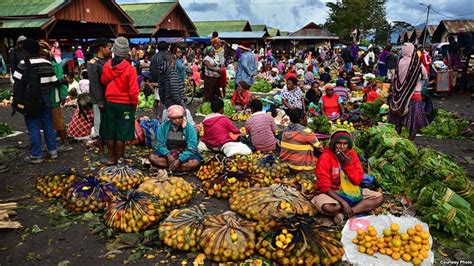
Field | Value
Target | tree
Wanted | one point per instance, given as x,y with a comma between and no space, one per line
368,16
401,26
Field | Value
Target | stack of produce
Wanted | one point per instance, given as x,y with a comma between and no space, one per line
144,103
432,166
241,116
211,169
205,108
227,237
89,194
320,124
371,111
276,201
445,125
6,97
173,191
53,186
133,212
443,208
412,246
261,85
347,126
357,94
123,176
182,229
297,241
5,130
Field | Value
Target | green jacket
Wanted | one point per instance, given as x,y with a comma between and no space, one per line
190,136
59,92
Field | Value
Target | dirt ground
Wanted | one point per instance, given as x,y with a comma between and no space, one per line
77,245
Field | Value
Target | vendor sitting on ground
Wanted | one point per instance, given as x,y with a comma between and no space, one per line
312,97
371,92
261,128
331,105
341,90
218,128
241,97
176,143
298,143
339,173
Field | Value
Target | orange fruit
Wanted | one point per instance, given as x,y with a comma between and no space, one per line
373,233
394,227
367,244
414,254
406,257
425,235
360,231
425,242
404,236
388,251
416,261
370,251
417,239
355,240
414,247
395,255
371,228
367,238
387,232
362,249
396,242
397,249
382,251
418,227
411,232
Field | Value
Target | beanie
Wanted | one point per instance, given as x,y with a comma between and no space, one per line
340,82
340,135
121,47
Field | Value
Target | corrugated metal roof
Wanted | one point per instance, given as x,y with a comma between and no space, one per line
431,29
258,27
292,37
241,35
453,26
147,14
147,31
14,8
204,28
23,23
284,33
418,32
273,32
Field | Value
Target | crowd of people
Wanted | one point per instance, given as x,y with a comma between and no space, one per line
103,82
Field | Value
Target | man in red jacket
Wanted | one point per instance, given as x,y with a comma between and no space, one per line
339,174
121,96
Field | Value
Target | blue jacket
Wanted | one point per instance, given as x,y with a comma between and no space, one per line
190,136
246,67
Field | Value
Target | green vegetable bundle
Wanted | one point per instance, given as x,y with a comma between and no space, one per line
144,103
205,108
320,124
445,125
439,191
5,130
370,139
261,85
5,94
371,110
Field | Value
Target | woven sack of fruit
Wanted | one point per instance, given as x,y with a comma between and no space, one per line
173,191
133,212
182,229
226,237
89,194
276,201
211,168
299,241
53,186
123,176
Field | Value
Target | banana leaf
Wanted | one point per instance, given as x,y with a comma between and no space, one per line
439,191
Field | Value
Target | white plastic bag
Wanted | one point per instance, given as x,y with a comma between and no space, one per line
232,148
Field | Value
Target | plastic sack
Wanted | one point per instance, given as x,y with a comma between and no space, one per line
134,211
227,237
298,240
123,176
53,186
232,148
182,229
149,129
138,133
266,203
89,194
173,191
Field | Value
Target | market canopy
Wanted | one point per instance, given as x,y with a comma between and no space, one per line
204,28
160,19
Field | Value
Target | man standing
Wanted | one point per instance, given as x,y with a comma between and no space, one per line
392,59
42,119
97,90
246,66
15,54
156,72
348,59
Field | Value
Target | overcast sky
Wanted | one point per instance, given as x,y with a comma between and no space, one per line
291,15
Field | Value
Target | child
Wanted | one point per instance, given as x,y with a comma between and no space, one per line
241,97
371,92
84,83
83,118
73,84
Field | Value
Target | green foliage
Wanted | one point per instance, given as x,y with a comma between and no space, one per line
144,103
261,85
372,110
320,124
445,125
5,94
5,130
205,108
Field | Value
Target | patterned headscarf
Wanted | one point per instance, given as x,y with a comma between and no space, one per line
177,110
208,49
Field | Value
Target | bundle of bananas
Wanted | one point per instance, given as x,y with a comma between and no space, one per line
133,212
53,186
227,237
173,191
297,241
182,229
89,194
241,116
123,176
262,204
342,126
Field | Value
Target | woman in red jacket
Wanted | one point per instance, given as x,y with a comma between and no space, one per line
241,96
339,174
121,96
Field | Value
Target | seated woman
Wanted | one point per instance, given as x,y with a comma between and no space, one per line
83,118
331,105
292,97
371,92
176,143
261,128
341,90
241,97
312,98
339,173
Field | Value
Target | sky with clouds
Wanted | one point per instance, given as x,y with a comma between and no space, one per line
291,15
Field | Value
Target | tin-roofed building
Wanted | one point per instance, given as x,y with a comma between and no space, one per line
448,28
205,28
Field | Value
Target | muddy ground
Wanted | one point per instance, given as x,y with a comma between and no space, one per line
77,245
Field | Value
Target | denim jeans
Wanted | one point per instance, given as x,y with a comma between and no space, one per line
348,66
34,123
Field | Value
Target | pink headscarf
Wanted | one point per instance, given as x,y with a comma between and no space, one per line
177,110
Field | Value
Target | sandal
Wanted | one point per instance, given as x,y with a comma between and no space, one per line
110,163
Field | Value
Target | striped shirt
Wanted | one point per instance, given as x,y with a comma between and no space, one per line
343,92
297,147
261,128
45,71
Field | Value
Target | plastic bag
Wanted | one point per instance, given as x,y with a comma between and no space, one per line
173,191
149,129
53,186
211,169
182,229
123,176
227,237
232,148
298,240
266,203
133,212
89,194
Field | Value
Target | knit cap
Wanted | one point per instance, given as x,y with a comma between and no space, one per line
121,47
341,134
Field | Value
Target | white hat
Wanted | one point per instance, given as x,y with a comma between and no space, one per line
21,38
275,70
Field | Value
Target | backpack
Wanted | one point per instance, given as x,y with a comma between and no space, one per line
27,98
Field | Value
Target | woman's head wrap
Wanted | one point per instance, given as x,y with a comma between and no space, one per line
177,110
208,49
341,134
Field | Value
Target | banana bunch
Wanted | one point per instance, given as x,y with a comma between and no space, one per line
241,116
182,229
227,237
123,176
342,126
173,191
54,186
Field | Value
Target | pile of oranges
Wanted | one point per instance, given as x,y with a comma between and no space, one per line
411,246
